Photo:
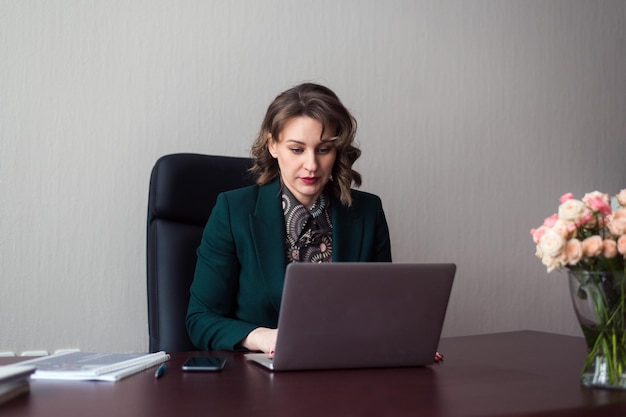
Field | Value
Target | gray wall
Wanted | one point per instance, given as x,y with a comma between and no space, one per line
475,116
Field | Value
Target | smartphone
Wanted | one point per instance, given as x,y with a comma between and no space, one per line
204,364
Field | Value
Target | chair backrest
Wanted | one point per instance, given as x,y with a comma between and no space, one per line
183,191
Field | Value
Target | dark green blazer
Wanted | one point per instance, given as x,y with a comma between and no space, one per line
241,264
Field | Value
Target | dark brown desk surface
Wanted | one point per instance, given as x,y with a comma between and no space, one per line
505,374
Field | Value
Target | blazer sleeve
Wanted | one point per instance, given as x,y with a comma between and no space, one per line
382,241
211,321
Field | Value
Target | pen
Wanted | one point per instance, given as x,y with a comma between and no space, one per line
160,371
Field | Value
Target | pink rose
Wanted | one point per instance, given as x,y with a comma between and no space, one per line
617,222
587,219
574,251
596,195
592,246
565,197
621,197
621,245
537,233
550,221
599,205
609,248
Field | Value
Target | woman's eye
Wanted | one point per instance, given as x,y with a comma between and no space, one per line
323,150
296,150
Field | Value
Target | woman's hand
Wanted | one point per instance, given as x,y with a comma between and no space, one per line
262,339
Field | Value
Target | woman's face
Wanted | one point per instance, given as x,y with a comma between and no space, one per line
304,158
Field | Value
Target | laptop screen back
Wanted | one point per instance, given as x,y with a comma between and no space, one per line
354,315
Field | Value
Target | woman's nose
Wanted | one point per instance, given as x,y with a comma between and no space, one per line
310,163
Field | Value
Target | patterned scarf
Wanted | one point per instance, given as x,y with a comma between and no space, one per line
309,233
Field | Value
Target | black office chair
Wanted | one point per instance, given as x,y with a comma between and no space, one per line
183,191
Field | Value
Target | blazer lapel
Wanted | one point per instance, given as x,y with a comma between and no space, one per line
347,232
268,235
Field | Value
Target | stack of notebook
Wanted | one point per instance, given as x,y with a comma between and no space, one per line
14,381
93,366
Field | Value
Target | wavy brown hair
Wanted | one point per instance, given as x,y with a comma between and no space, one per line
319,103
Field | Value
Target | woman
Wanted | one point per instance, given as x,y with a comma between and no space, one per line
302,209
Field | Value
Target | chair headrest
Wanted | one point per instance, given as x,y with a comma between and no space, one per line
184,186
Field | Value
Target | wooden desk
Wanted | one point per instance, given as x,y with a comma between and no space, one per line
506,374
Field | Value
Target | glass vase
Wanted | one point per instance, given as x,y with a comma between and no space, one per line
599,302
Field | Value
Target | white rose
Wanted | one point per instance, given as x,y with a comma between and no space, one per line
554,263
621,197
572,210
551,244
565,228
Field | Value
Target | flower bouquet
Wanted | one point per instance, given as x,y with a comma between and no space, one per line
588,238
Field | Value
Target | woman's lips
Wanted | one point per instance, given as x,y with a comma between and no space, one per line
309,180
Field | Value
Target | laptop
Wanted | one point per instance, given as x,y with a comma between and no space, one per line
360,315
